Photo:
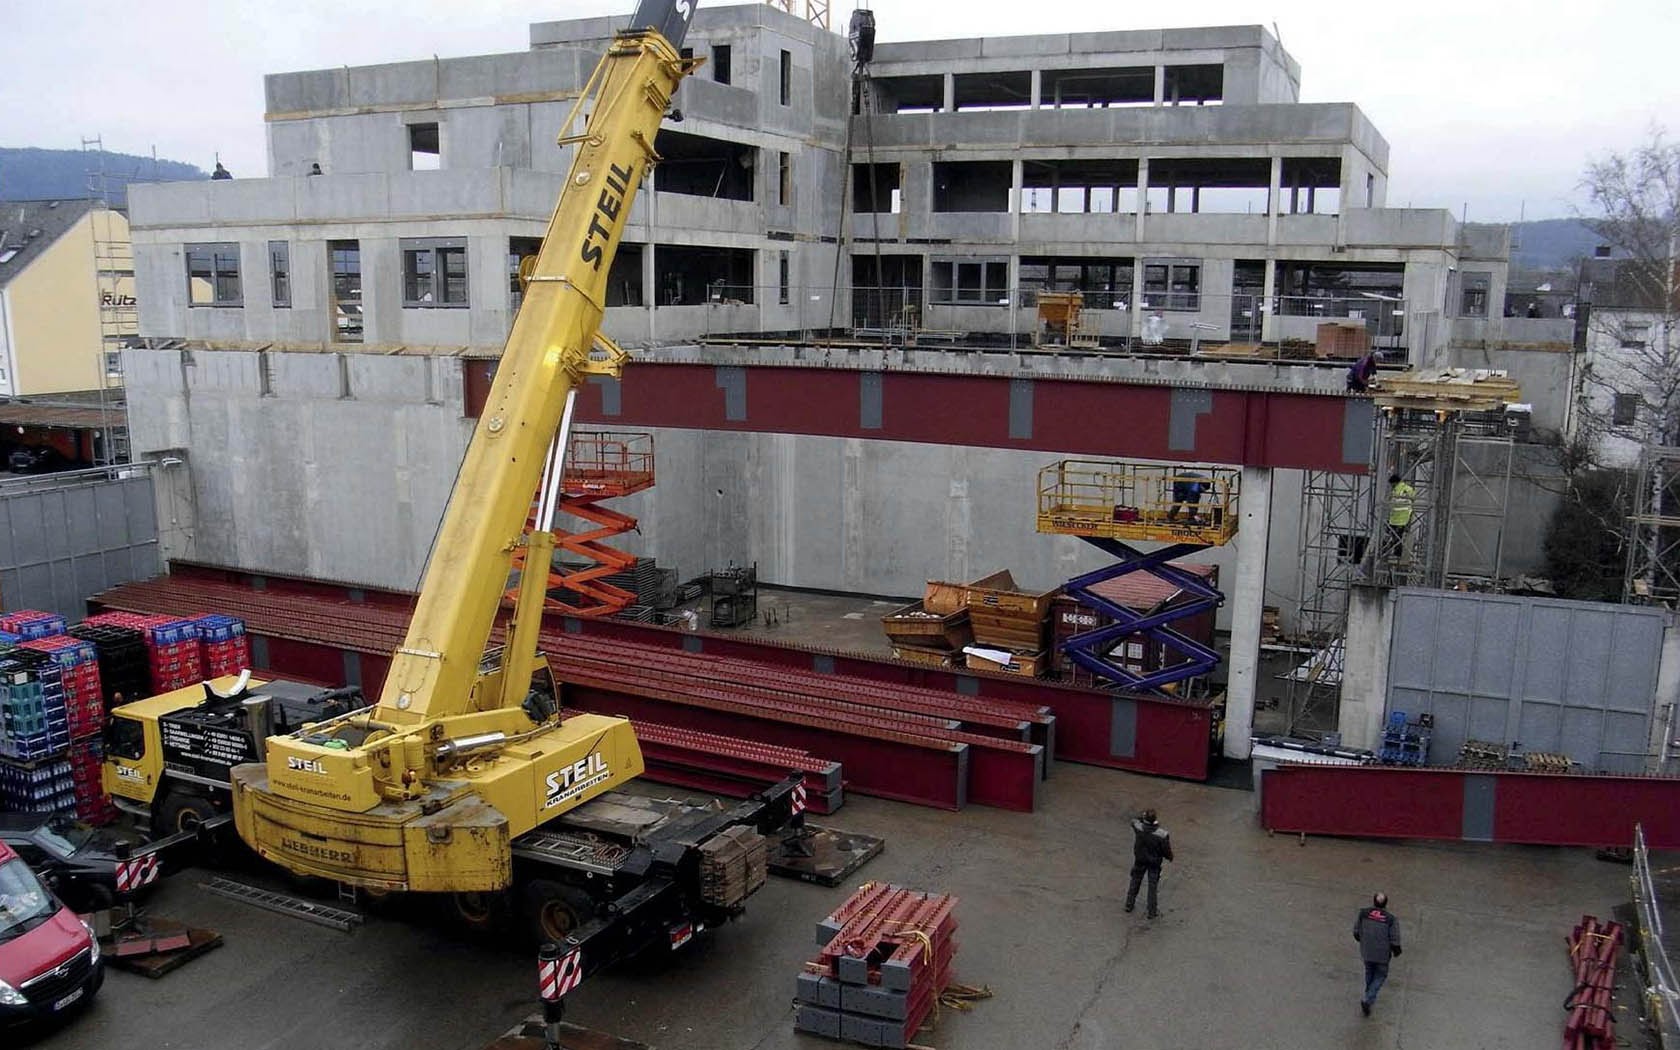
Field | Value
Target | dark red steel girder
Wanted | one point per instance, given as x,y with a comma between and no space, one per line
1109,418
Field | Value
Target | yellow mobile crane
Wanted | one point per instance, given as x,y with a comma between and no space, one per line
465,778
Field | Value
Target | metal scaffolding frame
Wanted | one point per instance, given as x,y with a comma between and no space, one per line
119,317
1653,537
1335,537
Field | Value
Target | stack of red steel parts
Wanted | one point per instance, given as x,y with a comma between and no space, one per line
723,765
171,647
916,745
1593,949
84,695
885,959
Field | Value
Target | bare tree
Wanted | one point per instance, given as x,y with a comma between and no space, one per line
1630,385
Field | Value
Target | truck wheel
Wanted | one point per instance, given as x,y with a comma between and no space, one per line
553,909
182,811
479,912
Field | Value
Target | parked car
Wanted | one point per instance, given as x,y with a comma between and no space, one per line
49,959
37,459
78,862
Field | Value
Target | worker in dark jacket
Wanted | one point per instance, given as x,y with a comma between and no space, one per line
1361,372
1378,933
1150,846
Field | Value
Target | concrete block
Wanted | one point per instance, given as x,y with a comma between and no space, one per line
870,1031
1021,46
818,1021
852,970
896,975
874,1001
827,930
819,990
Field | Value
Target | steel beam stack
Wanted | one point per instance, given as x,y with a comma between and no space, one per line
1593,949
885,959
731,766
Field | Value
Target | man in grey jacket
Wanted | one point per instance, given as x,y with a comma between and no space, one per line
1150,846
1378,933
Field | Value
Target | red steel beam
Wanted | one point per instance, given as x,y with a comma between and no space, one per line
1254,428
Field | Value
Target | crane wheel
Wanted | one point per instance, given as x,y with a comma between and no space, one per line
183,811
478,912
552,910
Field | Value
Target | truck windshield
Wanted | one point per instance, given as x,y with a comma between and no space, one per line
24,902
62,839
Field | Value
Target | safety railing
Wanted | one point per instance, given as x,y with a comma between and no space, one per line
608,462
1662,991
1136,501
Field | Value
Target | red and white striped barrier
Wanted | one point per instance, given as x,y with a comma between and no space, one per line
137,872
798,806
556,977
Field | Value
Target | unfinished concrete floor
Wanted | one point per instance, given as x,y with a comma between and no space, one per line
1254,948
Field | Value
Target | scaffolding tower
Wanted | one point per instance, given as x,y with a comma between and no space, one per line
1334,541
119,317
1653,537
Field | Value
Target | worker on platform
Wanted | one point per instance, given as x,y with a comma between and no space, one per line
220,173
1378,933
1361,372
1150,846
1187,489
1400,496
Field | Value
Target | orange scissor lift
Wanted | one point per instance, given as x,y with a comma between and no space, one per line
599,465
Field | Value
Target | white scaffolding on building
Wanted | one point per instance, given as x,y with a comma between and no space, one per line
119,317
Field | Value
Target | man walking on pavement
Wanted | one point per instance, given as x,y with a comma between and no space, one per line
1150,846
1378,933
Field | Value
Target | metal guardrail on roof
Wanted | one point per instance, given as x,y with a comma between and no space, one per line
1662,991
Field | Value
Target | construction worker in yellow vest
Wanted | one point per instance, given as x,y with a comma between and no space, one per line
1400,496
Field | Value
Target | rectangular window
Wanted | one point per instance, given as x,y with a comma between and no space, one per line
519,249
1370,191
1473,300
425,152
345,258
280,273
977,282
434,272
1172,286
1625,411
787,78
784,176
720,63
1635,334
213,274
782,283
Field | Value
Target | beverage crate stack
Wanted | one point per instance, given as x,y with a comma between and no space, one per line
31,623
92,804
224,647
46,786
886,958
1406,743
34,723
78,665
172,648
125,673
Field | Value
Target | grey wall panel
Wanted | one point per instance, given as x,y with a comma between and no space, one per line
61,543
1541,674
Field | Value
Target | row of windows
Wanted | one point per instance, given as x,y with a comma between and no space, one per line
434,273
723,69
1166,285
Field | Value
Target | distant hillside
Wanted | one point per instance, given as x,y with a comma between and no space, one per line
44,174
1550,244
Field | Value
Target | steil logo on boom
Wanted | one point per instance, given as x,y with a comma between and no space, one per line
581,775
306,765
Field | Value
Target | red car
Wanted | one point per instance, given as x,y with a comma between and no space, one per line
49,959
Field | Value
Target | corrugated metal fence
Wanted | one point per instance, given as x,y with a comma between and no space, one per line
1543,674
64,537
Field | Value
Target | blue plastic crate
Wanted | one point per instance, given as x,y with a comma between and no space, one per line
43,628
216,627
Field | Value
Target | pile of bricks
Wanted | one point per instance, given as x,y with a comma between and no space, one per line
885,960
223,644
1593,947
31,623
78,666
172,648
732,766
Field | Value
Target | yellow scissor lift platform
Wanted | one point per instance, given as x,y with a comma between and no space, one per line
1137,502
1112,505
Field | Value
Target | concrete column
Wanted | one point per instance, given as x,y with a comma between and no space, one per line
1248,596
1160,84
950,93
1274,200
1016,191
1268,324
1365,666
1142,197
1037,87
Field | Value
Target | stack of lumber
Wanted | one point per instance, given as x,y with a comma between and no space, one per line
733,865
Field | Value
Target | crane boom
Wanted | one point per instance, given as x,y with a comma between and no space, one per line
427,789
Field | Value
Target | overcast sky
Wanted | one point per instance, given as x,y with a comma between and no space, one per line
1486,105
